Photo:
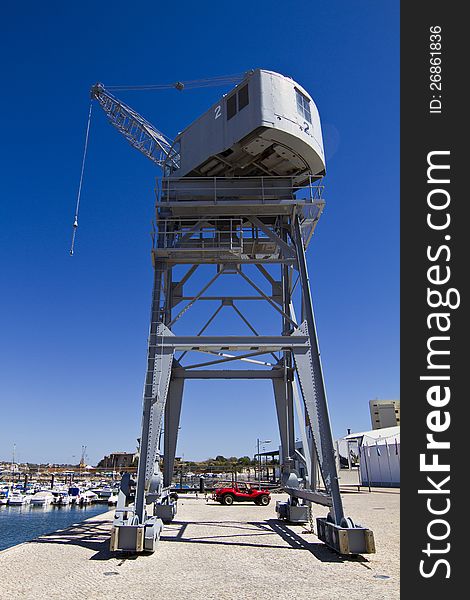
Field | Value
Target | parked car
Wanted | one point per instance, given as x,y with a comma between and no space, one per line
241,492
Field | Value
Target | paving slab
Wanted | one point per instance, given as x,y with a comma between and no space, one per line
211,552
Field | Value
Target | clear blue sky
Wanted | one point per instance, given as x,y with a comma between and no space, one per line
73,330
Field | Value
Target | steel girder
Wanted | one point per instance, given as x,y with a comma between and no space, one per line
268,343
283,397
172,420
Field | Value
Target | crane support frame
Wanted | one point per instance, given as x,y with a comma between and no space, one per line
240,237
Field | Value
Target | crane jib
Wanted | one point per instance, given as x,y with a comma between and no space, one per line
141,134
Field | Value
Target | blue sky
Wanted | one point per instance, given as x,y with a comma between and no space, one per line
73,330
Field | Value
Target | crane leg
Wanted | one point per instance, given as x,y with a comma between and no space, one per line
285,418
172,421
145,504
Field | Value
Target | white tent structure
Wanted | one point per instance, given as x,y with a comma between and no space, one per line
379,456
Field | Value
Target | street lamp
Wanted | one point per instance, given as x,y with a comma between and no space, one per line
258,441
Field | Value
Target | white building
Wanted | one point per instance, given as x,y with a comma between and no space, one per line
378,454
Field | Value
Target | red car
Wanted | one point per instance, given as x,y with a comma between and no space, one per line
241,492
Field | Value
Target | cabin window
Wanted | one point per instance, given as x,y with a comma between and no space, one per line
303,106
243,97
231,106
237,102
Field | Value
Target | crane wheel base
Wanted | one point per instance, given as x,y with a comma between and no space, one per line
166,512
292,514
345,540
136,538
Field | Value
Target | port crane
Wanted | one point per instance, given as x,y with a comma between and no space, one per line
83,458
240,189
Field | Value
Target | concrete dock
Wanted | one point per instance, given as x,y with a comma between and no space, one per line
211,552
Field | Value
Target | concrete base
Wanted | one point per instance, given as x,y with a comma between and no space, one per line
127,538
354,540
136,538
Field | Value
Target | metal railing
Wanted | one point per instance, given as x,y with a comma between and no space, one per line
218,234
248,189
214,234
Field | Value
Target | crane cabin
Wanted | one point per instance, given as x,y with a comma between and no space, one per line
268,125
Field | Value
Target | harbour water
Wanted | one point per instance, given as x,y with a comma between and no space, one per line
20,524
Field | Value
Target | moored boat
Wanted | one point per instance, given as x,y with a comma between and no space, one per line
112,500
87,497
103,493
60,498
17,499
74,494
4,496
42,498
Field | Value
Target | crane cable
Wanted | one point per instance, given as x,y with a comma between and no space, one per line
181,85
75,221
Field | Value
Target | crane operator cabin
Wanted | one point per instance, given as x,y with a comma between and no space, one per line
268,125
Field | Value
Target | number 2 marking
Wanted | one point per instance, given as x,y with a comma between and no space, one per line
217,111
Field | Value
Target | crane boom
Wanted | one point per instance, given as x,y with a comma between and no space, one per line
139,133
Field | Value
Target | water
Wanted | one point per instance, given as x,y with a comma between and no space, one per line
20,524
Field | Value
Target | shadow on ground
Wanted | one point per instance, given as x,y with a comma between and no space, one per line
95,536
91,535
271,528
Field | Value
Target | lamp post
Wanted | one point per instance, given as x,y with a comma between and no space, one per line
258,442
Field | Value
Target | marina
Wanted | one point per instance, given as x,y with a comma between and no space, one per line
38,505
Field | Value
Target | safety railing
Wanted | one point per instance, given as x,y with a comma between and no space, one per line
248,189
184,234
219,234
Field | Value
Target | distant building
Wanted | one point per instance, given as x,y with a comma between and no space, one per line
384,413
118,460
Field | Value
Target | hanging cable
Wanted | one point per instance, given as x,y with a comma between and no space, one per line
75,221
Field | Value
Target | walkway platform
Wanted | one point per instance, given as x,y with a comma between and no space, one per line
211,552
